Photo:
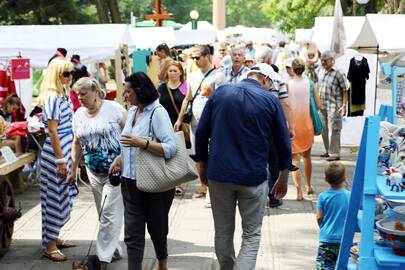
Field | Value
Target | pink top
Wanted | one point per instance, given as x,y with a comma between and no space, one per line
75,100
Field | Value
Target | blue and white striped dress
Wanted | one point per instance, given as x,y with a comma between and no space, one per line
56,196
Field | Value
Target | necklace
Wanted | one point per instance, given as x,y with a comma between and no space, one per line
95,111
171,85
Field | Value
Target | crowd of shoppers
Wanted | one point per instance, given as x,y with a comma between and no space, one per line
250,126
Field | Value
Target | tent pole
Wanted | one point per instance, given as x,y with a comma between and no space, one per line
376,79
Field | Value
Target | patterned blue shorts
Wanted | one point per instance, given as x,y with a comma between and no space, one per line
327,256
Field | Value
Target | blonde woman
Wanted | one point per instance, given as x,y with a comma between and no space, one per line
56,196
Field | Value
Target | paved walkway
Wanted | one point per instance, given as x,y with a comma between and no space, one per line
289,233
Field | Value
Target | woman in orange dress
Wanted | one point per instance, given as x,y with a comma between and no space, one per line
299,91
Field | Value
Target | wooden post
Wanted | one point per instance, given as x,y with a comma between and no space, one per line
118,77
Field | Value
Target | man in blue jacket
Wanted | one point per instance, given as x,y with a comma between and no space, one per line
239,124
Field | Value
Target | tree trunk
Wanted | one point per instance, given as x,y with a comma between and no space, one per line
355,8
345,4
372,6
102,11
114,11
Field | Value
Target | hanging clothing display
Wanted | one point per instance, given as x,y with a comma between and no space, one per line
358,75
7,86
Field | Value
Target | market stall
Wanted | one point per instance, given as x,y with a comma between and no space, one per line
93,42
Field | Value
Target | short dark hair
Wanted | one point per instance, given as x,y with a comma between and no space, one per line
79,71
12,99
143,87
335,173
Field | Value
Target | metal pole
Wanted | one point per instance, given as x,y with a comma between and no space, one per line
376,79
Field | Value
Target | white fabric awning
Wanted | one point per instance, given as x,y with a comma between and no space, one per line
93,42
151,37
323,28
384,30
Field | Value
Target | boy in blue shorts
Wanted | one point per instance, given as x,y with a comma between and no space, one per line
331,213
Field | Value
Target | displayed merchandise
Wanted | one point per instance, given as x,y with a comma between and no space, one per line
357,75
377,202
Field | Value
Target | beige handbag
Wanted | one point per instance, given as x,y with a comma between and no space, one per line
156,174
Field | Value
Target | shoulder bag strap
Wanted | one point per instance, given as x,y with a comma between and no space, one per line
171,97
150,122
199,87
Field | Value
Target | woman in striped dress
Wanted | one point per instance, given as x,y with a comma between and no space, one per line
56,196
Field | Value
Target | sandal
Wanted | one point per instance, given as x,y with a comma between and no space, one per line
61,244
179,191
199,194
310,191
55,255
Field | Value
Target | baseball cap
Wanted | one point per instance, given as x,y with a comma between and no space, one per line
288,62
264,69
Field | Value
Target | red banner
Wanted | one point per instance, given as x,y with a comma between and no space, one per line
20,69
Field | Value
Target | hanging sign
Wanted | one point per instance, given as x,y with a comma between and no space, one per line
20,69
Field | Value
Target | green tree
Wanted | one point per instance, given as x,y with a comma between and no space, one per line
288,15
47,12
247,13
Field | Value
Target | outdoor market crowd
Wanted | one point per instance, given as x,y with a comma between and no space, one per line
254,115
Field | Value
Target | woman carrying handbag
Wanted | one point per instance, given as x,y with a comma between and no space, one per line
144,208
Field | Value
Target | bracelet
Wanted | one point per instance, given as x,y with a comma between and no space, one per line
61,161
147,145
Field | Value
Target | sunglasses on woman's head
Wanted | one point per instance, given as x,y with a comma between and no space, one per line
67,74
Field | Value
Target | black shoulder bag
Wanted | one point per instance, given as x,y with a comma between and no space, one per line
188,113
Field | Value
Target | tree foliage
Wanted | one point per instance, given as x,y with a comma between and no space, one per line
47,12
288,15
285,15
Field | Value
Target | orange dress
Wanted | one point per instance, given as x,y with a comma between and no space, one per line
299,100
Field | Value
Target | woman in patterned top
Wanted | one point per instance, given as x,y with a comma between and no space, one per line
97,127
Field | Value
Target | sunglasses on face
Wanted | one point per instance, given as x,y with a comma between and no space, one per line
67,74
196,57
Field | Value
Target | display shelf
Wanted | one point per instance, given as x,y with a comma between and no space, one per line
367,185
385,190
386,258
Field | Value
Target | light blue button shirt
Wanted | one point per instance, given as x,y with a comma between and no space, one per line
162,129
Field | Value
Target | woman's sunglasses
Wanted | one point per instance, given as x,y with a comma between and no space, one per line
196,57
67,74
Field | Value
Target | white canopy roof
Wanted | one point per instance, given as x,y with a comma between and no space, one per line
188,37
302,35
201,25
93,42
257,35
323,28
385,30
151,37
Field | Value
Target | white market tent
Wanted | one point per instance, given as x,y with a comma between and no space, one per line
302,35
384,30
256,35
93,42
323,28
322,37
201,25
151,37
204,34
